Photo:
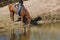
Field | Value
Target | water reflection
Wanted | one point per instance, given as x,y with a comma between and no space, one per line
21,34
5,36
43,32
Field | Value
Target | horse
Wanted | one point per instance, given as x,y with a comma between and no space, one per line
23,13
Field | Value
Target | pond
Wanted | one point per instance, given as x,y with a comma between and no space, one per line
49,31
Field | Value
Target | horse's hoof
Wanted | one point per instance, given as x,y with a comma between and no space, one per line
17,20
11,21
27,25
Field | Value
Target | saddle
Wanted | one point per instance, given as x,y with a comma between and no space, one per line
15,8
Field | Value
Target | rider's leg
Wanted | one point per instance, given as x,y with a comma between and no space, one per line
18,12
19,9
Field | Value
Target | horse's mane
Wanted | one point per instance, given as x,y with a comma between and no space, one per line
14,7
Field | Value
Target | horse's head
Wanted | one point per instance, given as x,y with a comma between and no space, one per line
34,22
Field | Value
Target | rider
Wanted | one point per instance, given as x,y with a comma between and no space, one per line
19,7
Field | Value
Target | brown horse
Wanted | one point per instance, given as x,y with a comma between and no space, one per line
23,13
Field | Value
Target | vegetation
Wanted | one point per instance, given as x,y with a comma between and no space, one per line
6,2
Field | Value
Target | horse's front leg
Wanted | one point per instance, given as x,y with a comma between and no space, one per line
28,20
12,16
21,15
21,20
27,16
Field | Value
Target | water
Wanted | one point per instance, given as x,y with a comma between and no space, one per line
49,31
